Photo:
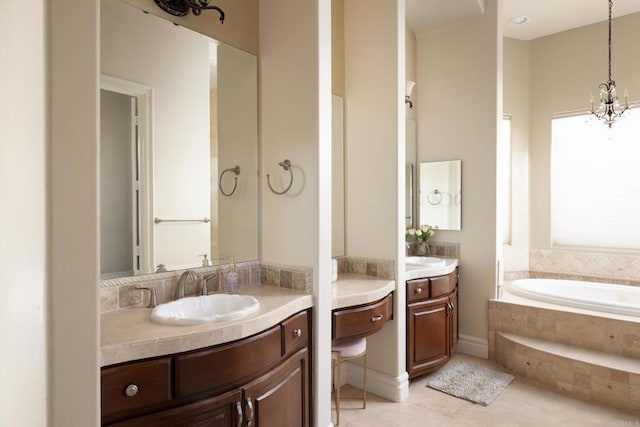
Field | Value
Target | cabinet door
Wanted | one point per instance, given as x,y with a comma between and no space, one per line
224,410
281,397
428,335
453,298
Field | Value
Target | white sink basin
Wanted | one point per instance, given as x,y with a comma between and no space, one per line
425,261
209,308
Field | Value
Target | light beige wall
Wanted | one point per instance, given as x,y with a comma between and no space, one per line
295,124
459,88
25,280
240,28
73,328
516,104
374,140
181,166
337,47
565,69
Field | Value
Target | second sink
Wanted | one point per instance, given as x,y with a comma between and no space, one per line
425,261
202,309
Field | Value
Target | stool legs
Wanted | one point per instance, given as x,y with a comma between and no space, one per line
337,385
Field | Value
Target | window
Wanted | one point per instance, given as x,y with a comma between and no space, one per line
504,180
595,183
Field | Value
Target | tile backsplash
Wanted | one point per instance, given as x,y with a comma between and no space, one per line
373,267
116,294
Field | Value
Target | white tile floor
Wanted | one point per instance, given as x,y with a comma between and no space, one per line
523,403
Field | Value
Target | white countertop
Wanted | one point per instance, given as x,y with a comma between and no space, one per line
416,272
130,334
350,290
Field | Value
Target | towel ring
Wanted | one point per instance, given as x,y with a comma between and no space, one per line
236,171
286,165
437,193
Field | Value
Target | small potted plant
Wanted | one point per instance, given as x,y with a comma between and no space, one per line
419,236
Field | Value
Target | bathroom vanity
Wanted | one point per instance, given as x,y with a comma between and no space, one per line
261,378
432,320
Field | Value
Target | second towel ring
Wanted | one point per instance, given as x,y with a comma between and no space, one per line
236,171
286,165
437,193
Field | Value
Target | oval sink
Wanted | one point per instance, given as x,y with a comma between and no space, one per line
202,309
425,261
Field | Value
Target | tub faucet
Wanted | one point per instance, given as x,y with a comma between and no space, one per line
185,278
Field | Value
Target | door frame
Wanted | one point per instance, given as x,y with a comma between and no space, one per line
144,96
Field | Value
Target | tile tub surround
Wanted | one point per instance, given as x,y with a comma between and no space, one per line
117,294
130,334
575,352
622,269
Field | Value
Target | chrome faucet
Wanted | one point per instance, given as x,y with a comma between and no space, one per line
185,278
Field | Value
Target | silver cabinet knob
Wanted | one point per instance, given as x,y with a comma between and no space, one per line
377,318
419,291
131,390
297,332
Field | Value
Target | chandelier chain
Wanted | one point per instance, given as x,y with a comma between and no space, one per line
610,7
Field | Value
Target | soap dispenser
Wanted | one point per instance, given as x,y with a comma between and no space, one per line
205,261
231,284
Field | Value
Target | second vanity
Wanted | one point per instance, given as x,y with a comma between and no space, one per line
432,317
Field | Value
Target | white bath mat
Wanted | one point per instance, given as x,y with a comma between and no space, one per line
470,382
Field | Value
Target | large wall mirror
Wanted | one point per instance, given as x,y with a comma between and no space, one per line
441,194
178,146
410,174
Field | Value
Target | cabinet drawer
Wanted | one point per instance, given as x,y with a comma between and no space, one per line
295,332
442,285
147,382
363,320
417,289
228,365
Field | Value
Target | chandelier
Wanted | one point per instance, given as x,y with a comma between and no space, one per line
182,7
610,108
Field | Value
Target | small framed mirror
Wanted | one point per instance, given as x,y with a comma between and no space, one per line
440,194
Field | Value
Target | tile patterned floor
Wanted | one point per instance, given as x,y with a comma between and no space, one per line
522,404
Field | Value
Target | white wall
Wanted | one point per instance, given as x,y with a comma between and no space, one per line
295,121
174,61
23,218
459,87
565,69
375,160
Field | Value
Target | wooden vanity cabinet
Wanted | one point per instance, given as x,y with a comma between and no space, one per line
259,381
432,322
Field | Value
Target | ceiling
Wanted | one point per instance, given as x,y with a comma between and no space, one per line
545,16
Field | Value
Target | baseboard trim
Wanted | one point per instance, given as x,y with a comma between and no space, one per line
395,389
473,346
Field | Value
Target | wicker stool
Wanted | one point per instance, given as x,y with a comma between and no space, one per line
348,350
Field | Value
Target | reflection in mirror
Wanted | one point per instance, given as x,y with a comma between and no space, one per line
178,108
337,176
440,194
